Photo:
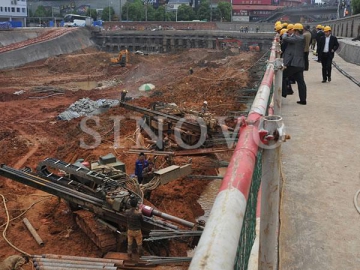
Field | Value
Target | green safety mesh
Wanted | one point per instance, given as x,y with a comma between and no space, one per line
247,235
248,232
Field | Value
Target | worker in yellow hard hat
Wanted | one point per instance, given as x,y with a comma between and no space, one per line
283,31
307,37
290,29
294,62
123,95
282,44
276,24
326,53
278,28
319,34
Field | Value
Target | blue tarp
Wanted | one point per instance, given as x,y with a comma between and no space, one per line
98,23
16,23
5,25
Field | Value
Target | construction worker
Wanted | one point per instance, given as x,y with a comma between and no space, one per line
204,107
148,175
294,61
140,165
327,45
14,262
289,31
278,28
191,71
134,218
123,95
319,34
307,37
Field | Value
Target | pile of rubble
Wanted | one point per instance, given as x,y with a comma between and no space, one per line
87,107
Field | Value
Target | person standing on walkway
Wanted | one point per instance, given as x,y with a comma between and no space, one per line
134,218
313,38
319,34
289,30
307,36
294,61
327,46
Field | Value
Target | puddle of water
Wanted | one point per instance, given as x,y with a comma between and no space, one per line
88,85
208,196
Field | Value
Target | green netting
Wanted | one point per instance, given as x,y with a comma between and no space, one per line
248,233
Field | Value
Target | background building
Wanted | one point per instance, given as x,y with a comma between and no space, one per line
13,10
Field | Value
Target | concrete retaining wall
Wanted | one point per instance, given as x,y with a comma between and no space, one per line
166,41
18,35
68,43
349,51
345,27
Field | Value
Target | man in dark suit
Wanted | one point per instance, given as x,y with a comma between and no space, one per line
319,35
294,61
328,44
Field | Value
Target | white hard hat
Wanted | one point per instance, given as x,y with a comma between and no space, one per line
205,102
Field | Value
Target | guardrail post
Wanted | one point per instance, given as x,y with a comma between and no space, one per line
270,192
278,67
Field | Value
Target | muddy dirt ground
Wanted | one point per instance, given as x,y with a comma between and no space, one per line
31,132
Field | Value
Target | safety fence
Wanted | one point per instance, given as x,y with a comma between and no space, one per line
228,237
248,232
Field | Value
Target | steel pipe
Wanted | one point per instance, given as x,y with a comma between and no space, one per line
72,268
60,261
72,265
76,258
149,211
33,232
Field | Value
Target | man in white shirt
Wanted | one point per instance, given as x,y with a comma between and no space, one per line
327,46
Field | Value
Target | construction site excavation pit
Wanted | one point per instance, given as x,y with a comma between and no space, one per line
32,132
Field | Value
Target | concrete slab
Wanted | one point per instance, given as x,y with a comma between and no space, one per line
319,223
349,50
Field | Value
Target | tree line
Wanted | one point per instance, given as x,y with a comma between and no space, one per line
139,10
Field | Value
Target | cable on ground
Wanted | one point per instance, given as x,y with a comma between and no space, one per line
356,200
7,225
346,74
